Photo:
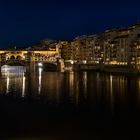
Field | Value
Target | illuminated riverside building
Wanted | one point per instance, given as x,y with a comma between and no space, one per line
135,53
108,49
83,49
118,47
66,50
121,46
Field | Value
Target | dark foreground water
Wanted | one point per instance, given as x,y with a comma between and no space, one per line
76,105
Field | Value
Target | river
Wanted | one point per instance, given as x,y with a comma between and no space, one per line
68,105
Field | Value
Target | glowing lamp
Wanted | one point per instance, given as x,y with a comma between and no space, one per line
72,62
84,61
40,64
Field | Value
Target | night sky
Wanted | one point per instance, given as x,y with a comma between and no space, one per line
25,22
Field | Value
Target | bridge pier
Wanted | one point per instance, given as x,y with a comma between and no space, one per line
30,68
60,65
30,71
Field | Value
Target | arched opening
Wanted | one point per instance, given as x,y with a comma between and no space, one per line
50,67
12,57
19,57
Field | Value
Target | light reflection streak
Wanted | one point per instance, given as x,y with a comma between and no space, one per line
71,78
57,90
59,86
7,82
111,93
71,85
23,85
111,84
77,90
85,83
98,86
40,77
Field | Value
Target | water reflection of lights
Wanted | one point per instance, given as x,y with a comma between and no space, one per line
5,69
139,85
111,93
85,83
14,77
40,76
23,85
71,79
111,84
7,83
77,89
71,84
12,70
98,76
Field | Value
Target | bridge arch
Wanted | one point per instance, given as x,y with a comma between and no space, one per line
18,57
12,57
50,66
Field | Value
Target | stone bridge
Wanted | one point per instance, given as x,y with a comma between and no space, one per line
31,58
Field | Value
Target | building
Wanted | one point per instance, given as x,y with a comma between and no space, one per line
84,49
120,46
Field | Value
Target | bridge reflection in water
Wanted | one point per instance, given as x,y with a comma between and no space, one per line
14,79
85,86
74,86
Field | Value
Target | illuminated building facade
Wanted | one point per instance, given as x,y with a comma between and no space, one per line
121,46
116,47
66,50
78,50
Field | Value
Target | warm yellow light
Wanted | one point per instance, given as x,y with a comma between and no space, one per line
72,62
40,64
84,61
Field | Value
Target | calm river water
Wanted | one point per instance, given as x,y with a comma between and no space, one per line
75,105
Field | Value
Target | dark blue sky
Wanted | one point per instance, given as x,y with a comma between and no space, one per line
25,22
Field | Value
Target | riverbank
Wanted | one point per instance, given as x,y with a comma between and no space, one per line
106,68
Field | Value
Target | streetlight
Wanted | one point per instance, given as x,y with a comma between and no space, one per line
40,64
